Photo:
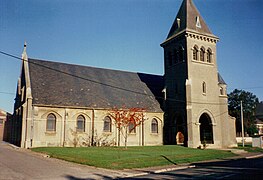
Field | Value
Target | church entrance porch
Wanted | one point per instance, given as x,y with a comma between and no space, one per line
206,129
180,130
179,138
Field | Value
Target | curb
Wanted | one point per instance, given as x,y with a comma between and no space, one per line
255,156
11,145
173,169
159,171
135,175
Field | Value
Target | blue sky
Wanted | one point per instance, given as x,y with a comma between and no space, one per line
126,35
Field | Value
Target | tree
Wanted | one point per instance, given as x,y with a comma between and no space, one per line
126,121
249,106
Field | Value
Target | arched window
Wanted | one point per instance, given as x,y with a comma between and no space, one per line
195,53
221,91
175,56
202,54
209,56
51,122
169,57
206,129
81,123
181,54
154,126
204,88
132,128
107,124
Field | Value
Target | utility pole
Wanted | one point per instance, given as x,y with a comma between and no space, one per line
242,125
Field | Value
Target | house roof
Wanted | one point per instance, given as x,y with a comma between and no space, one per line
60,84
188,15
259,111
258,121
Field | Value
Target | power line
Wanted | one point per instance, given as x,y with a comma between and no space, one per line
256,87
1,92
108,85
10,55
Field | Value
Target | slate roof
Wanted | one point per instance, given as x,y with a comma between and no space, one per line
220,79
83,86
187,15
259,111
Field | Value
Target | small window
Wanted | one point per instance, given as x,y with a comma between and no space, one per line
202,54
181,54
169,58
178,22
51,122
204,88
81,123
198,24
154,126
107,124
209,56
195,53
132,128
221,91
175,56
1,121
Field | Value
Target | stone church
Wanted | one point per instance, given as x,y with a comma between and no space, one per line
60,104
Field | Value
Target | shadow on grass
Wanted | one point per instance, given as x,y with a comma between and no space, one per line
169,160
99,176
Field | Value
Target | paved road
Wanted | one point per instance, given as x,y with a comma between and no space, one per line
16,164
232,169
23,164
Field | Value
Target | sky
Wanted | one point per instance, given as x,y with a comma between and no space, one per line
126,35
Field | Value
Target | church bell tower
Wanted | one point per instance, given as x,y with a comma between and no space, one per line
196,102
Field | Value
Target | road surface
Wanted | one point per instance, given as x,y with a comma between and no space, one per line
17,164
231,169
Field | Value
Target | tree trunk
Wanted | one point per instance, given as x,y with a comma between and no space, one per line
126,137
119,136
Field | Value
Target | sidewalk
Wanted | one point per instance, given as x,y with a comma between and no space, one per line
153,170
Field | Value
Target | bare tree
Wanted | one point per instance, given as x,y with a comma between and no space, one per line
126,121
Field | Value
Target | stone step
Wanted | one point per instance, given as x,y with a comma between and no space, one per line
238,151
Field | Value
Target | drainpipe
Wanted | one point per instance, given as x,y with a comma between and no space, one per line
64,135
142,131
92,126
26,124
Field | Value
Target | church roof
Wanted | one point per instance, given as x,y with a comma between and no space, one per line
60,84
188,18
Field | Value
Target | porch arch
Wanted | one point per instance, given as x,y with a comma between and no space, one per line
180,130
206,129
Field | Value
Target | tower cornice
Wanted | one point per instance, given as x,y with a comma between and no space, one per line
201,36
192,34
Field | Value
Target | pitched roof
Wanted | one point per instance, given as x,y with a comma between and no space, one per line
259,111
220,79
83,86
188,15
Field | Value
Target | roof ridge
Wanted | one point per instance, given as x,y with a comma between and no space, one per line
93,67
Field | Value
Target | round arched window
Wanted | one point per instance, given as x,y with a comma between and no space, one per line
107,124
154,126
51,122
81,123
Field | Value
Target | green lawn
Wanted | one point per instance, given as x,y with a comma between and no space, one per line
133,157
248,147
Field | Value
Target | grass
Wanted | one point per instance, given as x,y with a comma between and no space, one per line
132,157
249,148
